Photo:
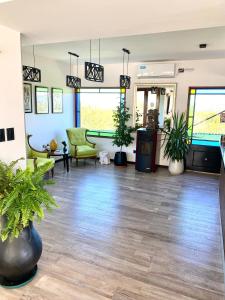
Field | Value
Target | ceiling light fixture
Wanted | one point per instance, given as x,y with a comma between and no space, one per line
31,73
73,81
94,72
125,79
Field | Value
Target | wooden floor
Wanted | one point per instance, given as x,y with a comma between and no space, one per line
124,235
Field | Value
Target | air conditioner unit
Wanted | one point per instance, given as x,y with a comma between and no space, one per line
162,70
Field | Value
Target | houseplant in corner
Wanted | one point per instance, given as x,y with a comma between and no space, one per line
23,198
177,145
122,136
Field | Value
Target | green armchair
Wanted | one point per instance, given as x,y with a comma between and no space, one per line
80,147
36,158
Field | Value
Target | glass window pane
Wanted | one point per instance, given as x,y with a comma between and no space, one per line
211,91
96,109
140,104
207,124
152,101
190,123
191,105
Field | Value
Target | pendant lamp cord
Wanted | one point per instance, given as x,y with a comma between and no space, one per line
99,51
70,64
127,62
77,66
90,50
33,56
123,62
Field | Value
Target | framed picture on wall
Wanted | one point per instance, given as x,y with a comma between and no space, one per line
41,100
57,100
27,94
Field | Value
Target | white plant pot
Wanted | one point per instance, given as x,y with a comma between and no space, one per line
176,167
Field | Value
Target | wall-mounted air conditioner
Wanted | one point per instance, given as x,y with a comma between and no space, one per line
157,70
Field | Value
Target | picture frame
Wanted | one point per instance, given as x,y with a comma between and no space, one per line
57,100
27,96
41,100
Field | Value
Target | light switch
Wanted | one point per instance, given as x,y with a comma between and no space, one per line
10,134
2,135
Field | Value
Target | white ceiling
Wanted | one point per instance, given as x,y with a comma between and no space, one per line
48,21
179,45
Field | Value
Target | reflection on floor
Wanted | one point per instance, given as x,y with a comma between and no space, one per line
120,234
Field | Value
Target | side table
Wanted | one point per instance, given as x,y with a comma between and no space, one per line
64,155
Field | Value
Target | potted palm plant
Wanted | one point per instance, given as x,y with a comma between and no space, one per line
122,136
23,198
177,145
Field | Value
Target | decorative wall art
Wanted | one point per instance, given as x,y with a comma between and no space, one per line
57,100
41,100
27,94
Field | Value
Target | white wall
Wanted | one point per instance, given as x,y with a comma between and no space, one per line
50,126
203,73
11,95
46,127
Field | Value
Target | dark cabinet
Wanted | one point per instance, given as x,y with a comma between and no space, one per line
204,158
146,150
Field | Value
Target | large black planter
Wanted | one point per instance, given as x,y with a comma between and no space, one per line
120,158
19,257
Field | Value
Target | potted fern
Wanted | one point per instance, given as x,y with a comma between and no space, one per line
23,198
122,136
177,146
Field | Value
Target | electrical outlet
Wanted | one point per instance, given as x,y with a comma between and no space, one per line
10,134
2,135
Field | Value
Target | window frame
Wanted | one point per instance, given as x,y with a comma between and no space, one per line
188,106
95,133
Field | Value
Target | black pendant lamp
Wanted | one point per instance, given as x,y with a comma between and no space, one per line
73,81
125,80
93,71
31,73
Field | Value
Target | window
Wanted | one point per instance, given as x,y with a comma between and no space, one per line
205,124
160,97
94,109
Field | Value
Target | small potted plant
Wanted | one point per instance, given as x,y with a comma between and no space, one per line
123,134
23,198
177,143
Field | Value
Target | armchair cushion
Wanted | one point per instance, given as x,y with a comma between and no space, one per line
39,162
85,151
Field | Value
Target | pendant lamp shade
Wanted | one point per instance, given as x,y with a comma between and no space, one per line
32,74
93,71
125,80
73,81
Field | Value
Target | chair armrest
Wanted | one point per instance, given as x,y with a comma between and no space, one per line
40,154
35,152
88,142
